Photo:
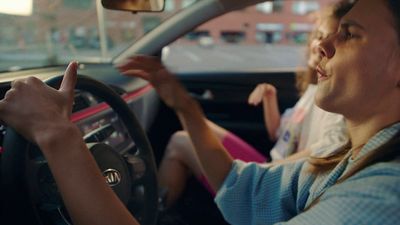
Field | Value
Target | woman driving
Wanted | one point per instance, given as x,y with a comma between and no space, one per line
358,77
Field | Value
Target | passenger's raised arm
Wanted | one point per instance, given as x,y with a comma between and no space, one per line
266,94
213,157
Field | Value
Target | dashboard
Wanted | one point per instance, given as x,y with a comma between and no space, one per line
96,120
99,123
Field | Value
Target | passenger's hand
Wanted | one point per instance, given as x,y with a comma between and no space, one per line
261,92
165,83
34,109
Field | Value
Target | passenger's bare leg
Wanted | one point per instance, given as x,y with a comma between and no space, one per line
180,162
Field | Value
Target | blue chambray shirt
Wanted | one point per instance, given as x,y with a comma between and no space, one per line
265,194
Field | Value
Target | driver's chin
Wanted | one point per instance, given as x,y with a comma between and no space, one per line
325,100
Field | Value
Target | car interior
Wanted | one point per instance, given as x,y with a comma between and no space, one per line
103,98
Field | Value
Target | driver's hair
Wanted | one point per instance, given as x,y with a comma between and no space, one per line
385,153
394,6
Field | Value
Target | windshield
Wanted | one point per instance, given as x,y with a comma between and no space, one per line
37,33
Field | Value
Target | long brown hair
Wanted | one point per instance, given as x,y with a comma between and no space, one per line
385,153
394,7
309,76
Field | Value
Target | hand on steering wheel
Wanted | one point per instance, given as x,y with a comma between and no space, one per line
27,185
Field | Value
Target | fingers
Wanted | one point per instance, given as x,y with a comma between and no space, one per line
262,91
145,67
130,62
17,86
14,82
4,102
255,96
141,62
145,58
250,100
69,80
269,90
136,73
254,101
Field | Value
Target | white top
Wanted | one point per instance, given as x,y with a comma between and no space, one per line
306,126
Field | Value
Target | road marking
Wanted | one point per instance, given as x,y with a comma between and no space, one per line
192,56
230,56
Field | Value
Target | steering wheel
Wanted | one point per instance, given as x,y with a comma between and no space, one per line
29,194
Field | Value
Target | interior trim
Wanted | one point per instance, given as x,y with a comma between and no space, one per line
83,114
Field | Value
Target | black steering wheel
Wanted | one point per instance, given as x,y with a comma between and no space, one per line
29,194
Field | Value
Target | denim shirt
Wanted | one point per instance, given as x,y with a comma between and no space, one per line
278,194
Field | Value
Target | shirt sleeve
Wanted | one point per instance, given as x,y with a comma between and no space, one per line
265,194
259,193
370,198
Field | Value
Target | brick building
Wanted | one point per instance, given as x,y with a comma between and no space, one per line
75,21
278,22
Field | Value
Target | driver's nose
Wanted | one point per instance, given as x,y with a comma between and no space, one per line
326,47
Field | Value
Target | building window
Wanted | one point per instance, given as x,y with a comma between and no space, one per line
270,7
269,32
304,7
265,7
196,35
233,36
269,37
300,32
299,37
169,5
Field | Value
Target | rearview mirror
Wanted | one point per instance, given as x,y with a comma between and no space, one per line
134,5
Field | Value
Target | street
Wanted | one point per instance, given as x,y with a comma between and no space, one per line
179,58
234,58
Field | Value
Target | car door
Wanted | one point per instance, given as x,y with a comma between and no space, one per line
224,98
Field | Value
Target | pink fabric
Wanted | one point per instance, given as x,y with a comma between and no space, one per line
238,149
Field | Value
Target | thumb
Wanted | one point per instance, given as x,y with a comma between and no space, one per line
69,80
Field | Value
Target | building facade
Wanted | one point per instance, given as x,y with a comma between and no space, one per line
279,22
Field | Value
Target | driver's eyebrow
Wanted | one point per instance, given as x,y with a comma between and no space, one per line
346,23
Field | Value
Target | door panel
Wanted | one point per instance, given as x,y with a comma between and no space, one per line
223,97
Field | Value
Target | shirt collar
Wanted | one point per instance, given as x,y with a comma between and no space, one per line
378,140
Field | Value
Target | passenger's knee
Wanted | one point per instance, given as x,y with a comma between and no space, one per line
177,144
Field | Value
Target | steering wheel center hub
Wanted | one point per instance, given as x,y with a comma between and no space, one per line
114,169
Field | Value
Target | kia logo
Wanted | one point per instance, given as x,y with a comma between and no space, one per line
113,177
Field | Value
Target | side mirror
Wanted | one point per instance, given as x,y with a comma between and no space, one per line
134,5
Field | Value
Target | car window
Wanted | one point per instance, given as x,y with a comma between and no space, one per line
37,33
270,35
